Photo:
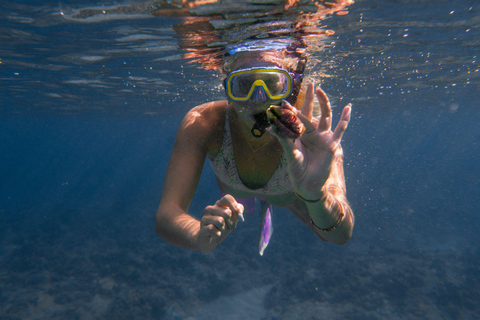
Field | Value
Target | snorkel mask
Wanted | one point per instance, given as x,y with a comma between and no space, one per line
258,84
275,83
265,83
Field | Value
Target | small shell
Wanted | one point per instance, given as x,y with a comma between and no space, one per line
285,121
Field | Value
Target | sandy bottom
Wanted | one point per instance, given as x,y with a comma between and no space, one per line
110,273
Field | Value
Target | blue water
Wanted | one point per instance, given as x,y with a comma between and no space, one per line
88,115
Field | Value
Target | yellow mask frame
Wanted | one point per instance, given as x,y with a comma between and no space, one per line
287,90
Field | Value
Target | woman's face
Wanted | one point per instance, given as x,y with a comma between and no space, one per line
246,110
259,101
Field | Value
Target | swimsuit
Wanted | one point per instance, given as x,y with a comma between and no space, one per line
224,166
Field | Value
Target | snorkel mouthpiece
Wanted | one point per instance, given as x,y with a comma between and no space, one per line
261,124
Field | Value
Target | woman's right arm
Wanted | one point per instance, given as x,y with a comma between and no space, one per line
172,222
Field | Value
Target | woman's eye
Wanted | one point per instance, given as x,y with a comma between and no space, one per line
274,85
244,82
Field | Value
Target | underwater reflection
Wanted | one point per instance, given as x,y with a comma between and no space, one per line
208,27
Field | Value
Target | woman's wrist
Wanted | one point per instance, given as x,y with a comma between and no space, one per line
202,244
310,199
322,218
338,222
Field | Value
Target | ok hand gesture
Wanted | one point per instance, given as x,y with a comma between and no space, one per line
310,157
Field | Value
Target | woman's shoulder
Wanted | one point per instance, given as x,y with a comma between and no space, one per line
207,116
211,110
207,122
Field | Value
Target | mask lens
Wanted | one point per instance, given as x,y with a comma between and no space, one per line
241,84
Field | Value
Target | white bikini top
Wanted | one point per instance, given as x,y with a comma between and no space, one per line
224,166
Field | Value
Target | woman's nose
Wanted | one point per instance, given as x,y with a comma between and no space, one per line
259,95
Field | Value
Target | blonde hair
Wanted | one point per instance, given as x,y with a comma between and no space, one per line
281,58
334,189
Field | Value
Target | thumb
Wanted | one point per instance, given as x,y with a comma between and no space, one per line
309,127
287,143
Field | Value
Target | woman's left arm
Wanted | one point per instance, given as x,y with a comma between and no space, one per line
315,164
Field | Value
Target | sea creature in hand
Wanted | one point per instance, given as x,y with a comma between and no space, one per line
284,121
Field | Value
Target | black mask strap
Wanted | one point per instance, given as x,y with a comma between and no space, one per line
297,81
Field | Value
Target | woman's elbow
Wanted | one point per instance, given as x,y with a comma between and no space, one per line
347,230
339,236
345,238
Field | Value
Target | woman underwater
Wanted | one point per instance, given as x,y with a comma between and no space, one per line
252,158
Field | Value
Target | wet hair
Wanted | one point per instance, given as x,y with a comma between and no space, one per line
334,189
282,59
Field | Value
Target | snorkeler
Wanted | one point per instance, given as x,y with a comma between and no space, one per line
259,146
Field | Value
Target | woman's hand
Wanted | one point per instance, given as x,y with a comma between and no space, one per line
218,222
309,158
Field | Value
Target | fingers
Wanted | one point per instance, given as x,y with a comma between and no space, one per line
307,108
221,217
325,123
225,213
229,202
309,127
343,123
213,225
